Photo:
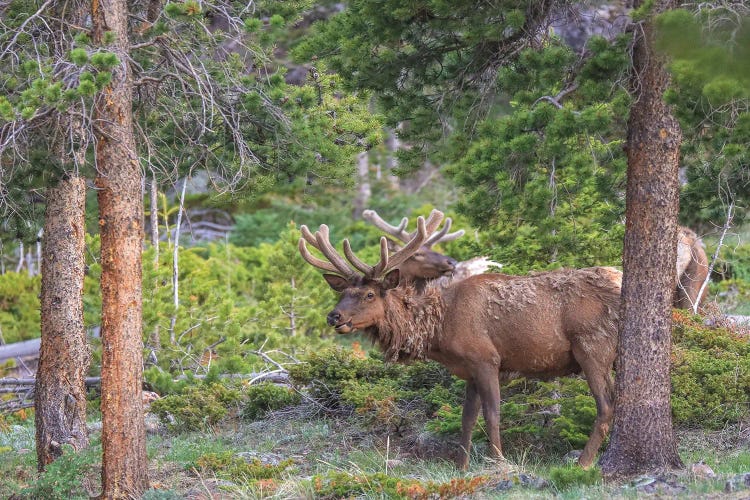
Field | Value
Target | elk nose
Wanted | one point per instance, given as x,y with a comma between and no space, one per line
452,262
334,318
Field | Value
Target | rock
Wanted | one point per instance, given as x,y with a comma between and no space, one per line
533,482
659,486
572,456
503,485
737,482
271,459
524,480
152,424
577,23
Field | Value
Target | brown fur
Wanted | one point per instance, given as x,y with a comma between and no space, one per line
692,269
490,325
410,323
424,266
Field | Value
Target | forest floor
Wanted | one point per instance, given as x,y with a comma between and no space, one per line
335,458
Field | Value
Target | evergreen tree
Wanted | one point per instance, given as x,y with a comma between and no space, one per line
532,131
42,149
207,95
545,181
710,52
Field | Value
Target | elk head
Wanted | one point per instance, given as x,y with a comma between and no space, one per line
425,263
362,287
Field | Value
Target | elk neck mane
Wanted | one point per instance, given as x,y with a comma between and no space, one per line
411,324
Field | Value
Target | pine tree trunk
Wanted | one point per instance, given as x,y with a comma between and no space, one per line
642,436
364,191
124,462
60,392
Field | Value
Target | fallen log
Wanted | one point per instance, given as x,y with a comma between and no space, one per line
275,376
19,349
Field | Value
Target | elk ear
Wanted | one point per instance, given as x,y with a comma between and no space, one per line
336,282
391,279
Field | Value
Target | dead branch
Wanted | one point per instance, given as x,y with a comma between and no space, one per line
715,256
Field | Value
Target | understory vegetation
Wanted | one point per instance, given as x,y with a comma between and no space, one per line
346,424
258,397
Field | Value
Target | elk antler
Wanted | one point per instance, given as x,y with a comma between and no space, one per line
337,264
424,230
400,232
320,241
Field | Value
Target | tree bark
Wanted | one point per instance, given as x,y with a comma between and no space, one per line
60,391
642,436
124,462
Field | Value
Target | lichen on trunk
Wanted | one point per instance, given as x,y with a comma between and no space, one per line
60,391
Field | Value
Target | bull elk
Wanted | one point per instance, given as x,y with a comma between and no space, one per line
426,265
692,269
482,328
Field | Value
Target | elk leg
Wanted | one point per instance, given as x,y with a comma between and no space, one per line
488,384
600,382
469,417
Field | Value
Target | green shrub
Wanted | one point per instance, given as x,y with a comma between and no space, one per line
710,374
228,465
426,375
738,263
197,408
264,397
19,306
162,382
339,484
382,395
564,477
63,478
262,478
161,495
546,417
326,373
554,416
447,421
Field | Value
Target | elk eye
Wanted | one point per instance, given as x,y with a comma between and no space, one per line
370,295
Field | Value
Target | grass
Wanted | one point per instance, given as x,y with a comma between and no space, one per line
320,446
